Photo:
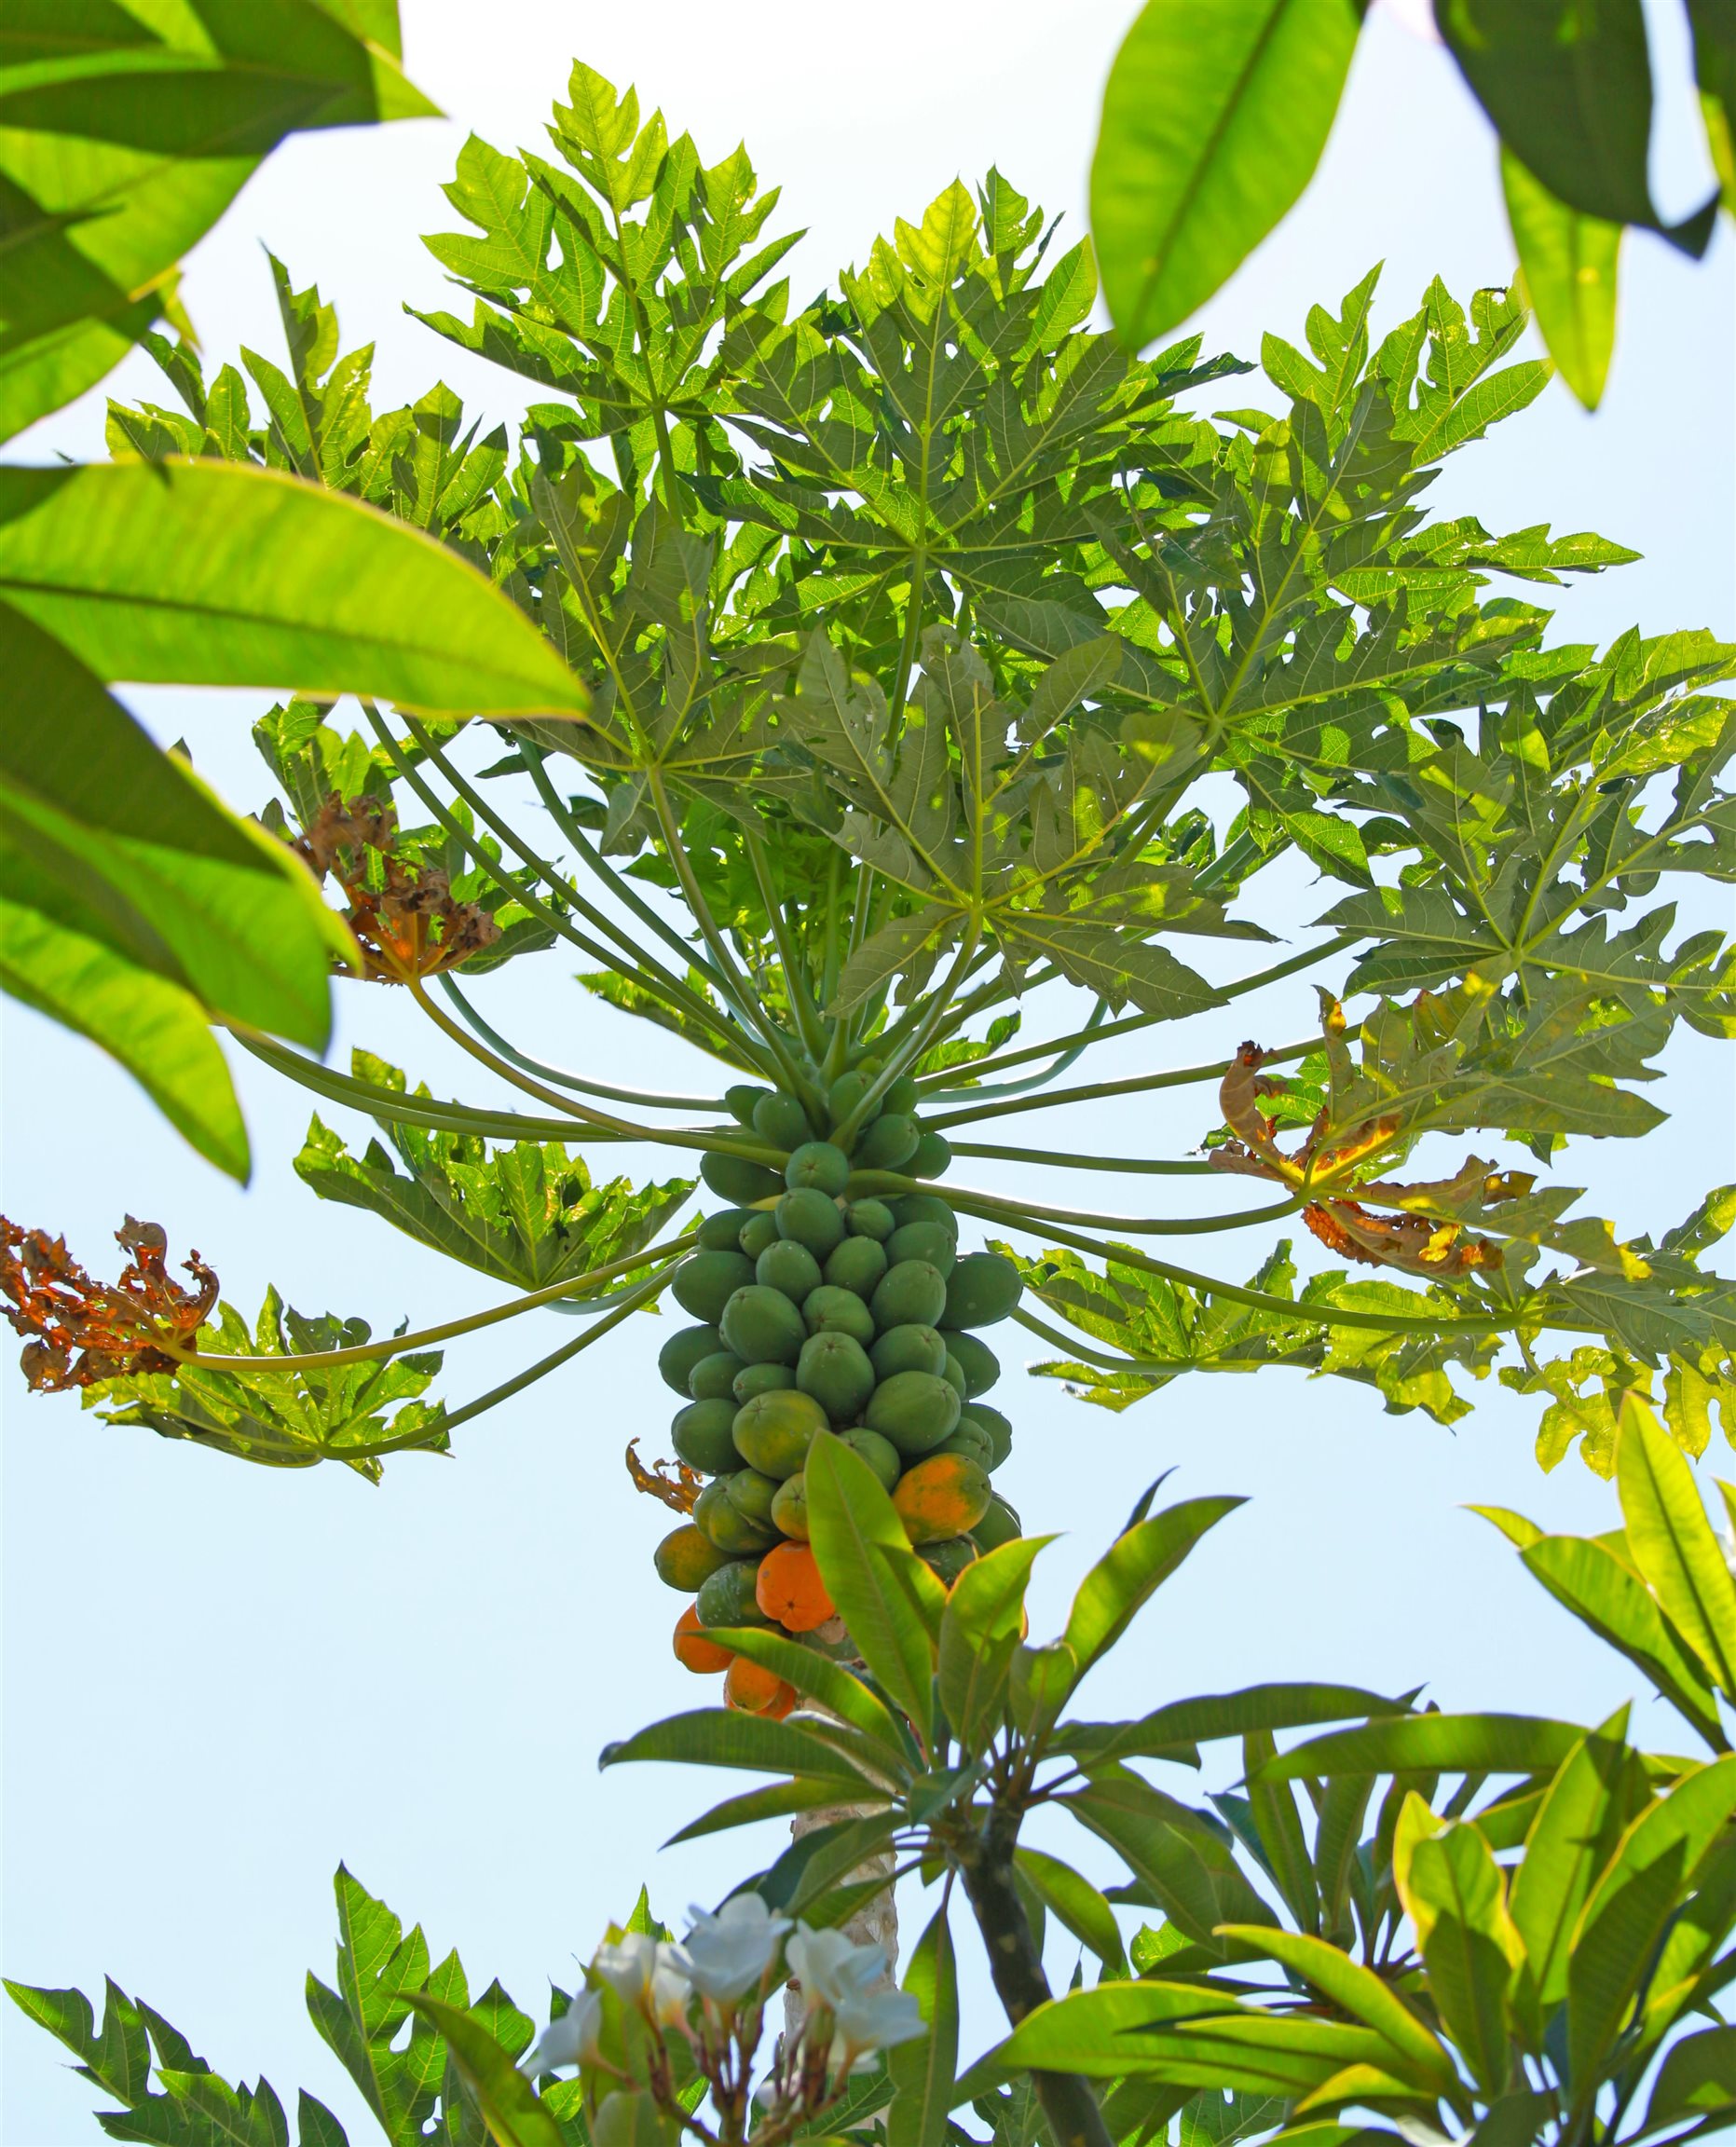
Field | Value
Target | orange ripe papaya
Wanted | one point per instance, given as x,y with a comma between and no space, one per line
756,1691
694,1647
789,1589
943,1496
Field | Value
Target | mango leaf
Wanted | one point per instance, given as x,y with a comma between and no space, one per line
126,140
1568,260
1671,1543
1125,1578
1359,1991
1433,1743
1211,127
922,2071
1697,2077
1073,1901
1089,2032
859,1543
515,2116
979,1631
526,1214
1181,1724
196,573
286,1420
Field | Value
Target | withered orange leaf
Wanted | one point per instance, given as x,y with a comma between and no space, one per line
77,1330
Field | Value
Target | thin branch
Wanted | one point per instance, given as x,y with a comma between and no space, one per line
400,1344
1020,1214
647,1099
794,982
397,1107
557,1358
1136,1084
1060,1159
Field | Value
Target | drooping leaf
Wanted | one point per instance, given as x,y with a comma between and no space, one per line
1212,126
922,2071
1568,260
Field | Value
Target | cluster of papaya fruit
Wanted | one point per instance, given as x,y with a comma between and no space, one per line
823,1304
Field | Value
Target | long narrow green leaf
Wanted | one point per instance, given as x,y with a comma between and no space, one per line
849,1517
724,1737
1697,2078
1090,2032
1359,1991
1433,1743
1672,1542
979,1629
776,1802
1184,1864
1454,1893
1566,1849
1569,263
1273,1805
822,1679
1076,1903
922,2071
1183,1723
208,574
1213,121
1133,1570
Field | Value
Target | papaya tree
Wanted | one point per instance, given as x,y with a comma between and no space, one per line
935,653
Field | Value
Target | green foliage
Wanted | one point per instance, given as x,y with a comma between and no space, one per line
1209,133
352,1412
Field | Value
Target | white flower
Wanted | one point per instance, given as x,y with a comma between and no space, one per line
726,1955
830,1970
571,2040
646,1974
873,2020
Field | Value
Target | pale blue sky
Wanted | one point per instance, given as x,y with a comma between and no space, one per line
220,1680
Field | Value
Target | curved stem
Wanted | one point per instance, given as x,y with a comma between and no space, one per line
557,1358
794,981
1056,1157
1101,1360
1075,1050
591,858
396,1107
1017,1214
399,1344
917,1042
647,1099
740,991
1137,1083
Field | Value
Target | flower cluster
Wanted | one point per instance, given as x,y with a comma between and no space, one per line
653,2018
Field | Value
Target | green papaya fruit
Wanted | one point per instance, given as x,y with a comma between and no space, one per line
781,1122
911,1295
915,1410
833,1367
789,1267
912,1349
751,1495
856,1264
948,1557
887,1144
827,1310
924,1241
952,1372
704,1282
819,1165
924,1208
684,1348
878,1451
758,1232
741,1101
999,1524
722,1232
844,1094
762,1379
870,1219
738,1179
981,1289
900,1097
980,1365
812,1218
996,1428
969,1438
714,1375
789,1509
932,1156
763,1326
774,1432
726,1596
702,1435
724,1525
